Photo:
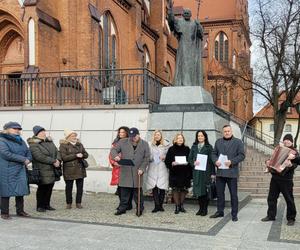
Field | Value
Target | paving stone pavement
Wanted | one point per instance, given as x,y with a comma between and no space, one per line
94,227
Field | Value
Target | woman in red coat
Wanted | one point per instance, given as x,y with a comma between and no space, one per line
122,133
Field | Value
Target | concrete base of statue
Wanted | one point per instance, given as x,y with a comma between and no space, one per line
188,109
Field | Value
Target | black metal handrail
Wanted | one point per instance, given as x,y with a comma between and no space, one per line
81,87
253,137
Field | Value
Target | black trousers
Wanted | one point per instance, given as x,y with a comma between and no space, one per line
158,196
232,186
5,204
203,203
286,188
43,195
69,189
126,193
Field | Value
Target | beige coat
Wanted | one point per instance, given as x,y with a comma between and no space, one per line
157,172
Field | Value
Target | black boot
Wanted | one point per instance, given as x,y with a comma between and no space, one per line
156,209
181,208
200,202
205,205
177,210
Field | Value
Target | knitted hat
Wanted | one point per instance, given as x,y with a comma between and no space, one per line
12,125
37,129
288,137
68,132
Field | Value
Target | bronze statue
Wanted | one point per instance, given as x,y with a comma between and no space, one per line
189,34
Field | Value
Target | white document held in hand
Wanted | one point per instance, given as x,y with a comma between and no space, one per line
202,159
181,160
223,159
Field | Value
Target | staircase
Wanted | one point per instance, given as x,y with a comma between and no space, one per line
252,177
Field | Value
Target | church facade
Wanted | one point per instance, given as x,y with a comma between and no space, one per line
59,36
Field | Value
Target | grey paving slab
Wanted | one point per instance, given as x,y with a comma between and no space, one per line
53,233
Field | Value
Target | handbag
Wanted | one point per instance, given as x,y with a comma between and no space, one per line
33,176
84,163
211,190
57,173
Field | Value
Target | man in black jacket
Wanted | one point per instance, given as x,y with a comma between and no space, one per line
283,183
227,154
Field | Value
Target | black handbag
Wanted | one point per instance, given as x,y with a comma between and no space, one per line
57,173
211,190
33,176
84,163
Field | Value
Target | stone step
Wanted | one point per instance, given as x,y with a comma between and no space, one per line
265,191
254,178
252,168
263,184
252,173
262,178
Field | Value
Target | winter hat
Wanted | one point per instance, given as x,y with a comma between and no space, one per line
68,132
133,132
37,129
288,137
12,125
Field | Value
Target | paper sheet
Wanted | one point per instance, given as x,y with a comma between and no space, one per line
202,159
223,159
181,160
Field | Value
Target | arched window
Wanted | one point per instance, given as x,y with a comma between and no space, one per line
31,41
221,47
146,58
225,96
234,61
110,42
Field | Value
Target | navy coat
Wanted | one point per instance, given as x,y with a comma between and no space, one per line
13,177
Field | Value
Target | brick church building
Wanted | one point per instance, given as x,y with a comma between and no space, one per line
113,37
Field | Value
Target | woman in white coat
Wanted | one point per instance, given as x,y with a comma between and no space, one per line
157,173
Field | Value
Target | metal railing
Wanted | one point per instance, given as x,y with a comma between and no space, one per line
90,87
253,137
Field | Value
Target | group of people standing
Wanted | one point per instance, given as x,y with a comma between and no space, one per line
174,166
15,158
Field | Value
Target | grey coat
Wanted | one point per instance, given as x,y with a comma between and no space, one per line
234,149
140,156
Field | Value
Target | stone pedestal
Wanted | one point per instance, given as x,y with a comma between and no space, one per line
188,109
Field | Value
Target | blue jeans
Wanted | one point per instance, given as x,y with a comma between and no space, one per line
232,186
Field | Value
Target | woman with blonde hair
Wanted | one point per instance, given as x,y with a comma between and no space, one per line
180,171
157,172
73,154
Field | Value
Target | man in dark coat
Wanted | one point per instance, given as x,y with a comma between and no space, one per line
136,150
45,158
227,154
283,183
14,157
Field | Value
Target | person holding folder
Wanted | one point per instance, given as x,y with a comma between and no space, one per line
180,171
203,169
227,154
133,161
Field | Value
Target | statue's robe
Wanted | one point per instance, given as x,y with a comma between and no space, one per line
189,53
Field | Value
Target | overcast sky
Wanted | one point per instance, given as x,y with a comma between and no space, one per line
258,101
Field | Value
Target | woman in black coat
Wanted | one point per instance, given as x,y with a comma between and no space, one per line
45,158
180,172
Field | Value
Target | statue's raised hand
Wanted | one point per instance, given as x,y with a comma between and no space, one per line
170,4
